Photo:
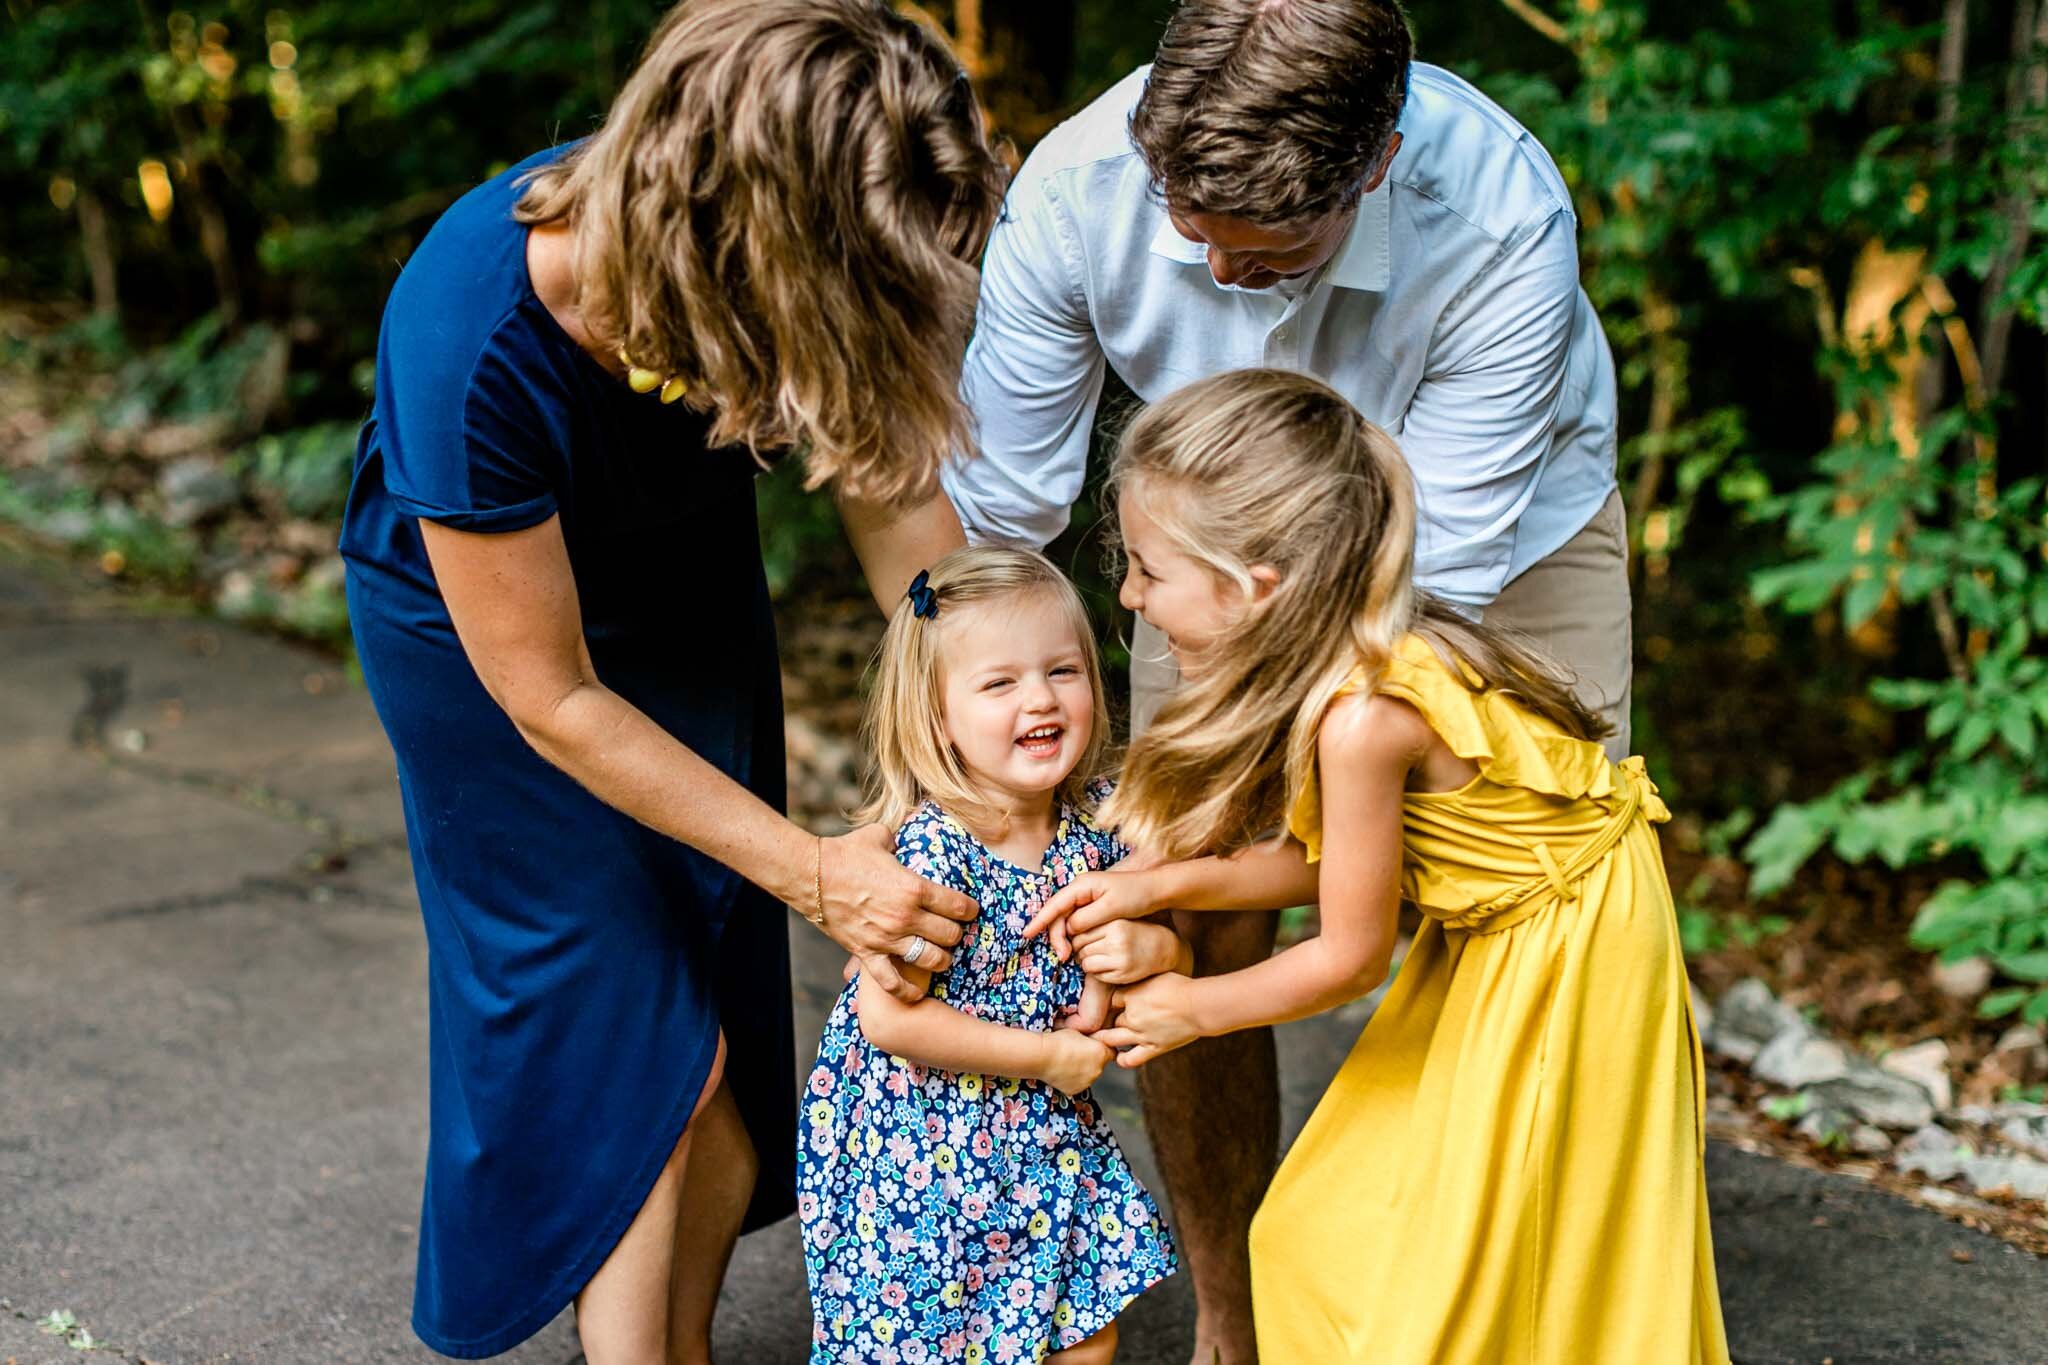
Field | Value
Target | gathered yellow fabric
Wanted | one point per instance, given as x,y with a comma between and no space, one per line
1509,1168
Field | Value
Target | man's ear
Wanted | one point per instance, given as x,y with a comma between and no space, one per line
1386,164
1265,578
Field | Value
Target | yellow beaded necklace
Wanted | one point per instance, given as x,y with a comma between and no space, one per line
642,380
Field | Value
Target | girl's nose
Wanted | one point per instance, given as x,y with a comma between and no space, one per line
1128,595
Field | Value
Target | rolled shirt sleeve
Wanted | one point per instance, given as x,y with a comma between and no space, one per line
1033,376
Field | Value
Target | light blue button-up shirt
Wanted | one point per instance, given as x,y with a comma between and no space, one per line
1452,316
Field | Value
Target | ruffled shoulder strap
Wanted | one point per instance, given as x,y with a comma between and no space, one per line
1513,746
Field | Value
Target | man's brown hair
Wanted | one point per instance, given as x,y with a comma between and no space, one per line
783,209
1272,111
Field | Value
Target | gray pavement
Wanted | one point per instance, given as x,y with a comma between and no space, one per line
213,1062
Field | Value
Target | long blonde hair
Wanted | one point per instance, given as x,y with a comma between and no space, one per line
911,760
1271,468
783,210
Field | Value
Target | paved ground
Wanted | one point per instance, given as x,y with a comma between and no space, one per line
212,1046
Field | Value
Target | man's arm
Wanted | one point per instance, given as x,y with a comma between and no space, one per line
893,543
1033,374
1482,421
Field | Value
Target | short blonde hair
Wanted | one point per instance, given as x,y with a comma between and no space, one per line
783,209
1269,467
911,761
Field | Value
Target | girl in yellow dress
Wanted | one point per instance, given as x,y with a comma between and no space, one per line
1508,1168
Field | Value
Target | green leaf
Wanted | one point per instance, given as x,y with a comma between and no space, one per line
2004,1002
2025,966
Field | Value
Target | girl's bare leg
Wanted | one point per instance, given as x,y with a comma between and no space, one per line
1099,1349
622,1315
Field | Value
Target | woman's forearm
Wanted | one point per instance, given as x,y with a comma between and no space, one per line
627,761
1271,875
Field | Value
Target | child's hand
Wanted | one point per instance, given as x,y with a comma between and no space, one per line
1125,951
1076,1061
1093,1011
1092,900
1153,1017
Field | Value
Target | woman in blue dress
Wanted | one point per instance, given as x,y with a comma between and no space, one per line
555,581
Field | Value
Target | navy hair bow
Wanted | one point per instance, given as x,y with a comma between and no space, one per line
924,603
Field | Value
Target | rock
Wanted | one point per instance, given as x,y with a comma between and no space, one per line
1964,980
1797,1058
2030,1135
1934,1152
2023,1176
1876,1096
196,487
69,525
239,597
2027,1051
1925,1063
1748,1017
1827,1126
328,575
1865,1140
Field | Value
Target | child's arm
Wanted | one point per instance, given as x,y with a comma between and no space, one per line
934,1033
1366,749
1270,875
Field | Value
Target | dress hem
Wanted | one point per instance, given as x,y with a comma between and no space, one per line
560,1293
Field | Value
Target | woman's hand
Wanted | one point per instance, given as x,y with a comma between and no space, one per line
1124,952
875,908
1092,900
1075,1060
1156,1017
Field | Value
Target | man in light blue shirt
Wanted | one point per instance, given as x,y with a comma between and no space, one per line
1286,187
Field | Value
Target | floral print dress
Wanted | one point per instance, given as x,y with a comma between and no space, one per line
963,1217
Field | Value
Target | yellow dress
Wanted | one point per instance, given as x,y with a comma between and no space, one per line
1509,1167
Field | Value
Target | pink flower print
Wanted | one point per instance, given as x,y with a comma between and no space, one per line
1006,1349
918,1072
1048,1296
901,1149
998,1242
975,1279
888,1355
900,1241
894,1294
1019,1293
980,1327
974,1208
1092,855
1015,1112
1069,1336
898,1082
871,1261
806,1205
835,1282
919,1175
1027,1193
1111,1278
1136,1215
866,1199
821,1081
934,1127
953,1345
824,1234
915,1353
984,1145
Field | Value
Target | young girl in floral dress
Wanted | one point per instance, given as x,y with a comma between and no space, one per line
962,1198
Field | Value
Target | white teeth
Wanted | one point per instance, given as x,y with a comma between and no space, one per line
1043,732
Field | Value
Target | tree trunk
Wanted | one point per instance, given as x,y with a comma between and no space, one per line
97,240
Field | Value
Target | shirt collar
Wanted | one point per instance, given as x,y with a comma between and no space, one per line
1364,261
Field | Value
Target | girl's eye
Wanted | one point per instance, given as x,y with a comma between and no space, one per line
1065,671
994,683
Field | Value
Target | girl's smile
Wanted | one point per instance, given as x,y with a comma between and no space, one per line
1018,700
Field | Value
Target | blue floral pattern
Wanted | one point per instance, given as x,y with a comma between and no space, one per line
962,1217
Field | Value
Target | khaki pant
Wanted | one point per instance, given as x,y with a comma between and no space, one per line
1573,604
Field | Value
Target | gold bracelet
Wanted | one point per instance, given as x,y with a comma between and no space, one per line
817,916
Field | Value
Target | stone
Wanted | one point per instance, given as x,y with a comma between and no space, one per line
1747,1017
1934,1152
1926,1064
2023,1176
2030,1135
1964,980
1797,1058
1865,1140
1876,1096
239,597
196,487
1825,1125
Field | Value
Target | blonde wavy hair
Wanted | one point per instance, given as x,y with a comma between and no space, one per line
1270,468
911,760
783,209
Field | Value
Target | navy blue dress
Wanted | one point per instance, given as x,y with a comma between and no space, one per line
580,965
